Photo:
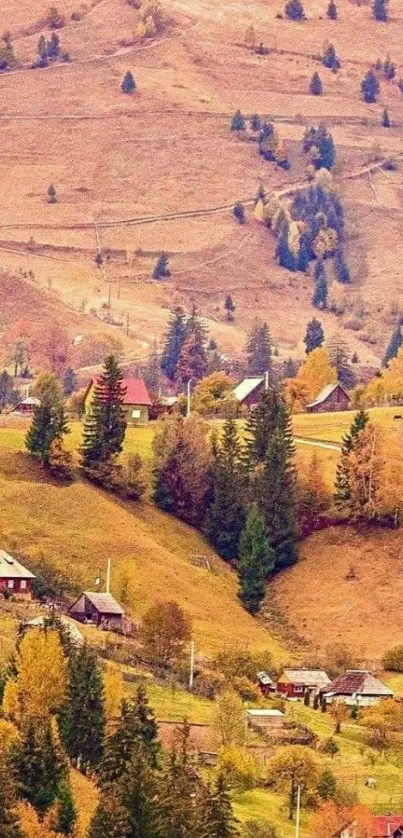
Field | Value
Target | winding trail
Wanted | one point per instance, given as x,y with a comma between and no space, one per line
330,446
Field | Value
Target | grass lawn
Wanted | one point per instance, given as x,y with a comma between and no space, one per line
333,426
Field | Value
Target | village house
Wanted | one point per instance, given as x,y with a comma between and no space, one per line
357,687
15,579
383,826
294,683
333,397
99,608
249,391
136,400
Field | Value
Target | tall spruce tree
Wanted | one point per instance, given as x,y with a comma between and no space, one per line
222,823
314,335
259,349
226,514
275,493
342,492
179,783
111,818
380,10
49,422
139,794
136,727
319,299
174,340
394,345
269,415
339,359
105,423
65,811
332,10
40,767
83,718
9,822
256,561
193,359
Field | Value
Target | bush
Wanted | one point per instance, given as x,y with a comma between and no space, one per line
393,660
238,122
316,86
294,10
258,829
246,689
238,767
209,684
238,663
128,84
239,212
54,19
330,59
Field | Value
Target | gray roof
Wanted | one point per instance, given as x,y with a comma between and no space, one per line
326,392
358,682
246,387
43,621
308,677
265,713
12,569
264,679
104,603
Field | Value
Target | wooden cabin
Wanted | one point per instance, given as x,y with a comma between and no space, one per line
101,609
333,397
15,579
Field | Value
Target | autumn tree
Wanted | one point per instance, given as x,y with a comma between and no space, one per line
83,718
342,480
105,423
213,394
17,342
339,359
259,349
40,682
166,629
313,496
229,719
314,335
359,475
256,561
312,376
49,422
328,820
291,767
181,468
226,512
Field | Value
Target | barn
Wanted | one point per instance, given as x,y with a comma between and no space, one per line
333,397
15,579
249,391
101,609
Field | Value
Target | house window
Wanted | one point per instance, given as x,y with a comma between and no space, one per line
136,414
10,583
23,585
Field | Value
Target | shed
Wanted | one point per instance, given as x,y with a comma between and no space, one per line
15,579
357,687
136,400
266,684
294,683
333,397
264,719
248,392
101,609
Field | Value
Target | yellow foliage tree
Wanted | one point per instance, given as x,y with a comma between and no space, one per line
41,680
32,827
239,768
312,376
325,243
8,735
213,394
113,693
259,210
11,701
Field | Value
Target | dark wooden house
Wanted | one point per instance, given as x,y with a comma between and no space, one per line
333,397
294,683
249,391
101,609
15,579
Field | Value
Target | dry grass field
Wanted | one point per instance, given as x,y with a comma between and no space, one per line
128,162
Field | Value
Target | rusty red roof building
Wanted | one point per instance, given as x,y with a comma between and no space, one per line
387,826
357,684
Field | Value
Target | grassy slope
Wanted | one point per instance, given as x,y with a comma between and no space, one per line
153,556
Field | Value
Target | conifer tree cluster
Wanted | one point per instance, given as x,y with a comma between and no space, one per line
396,341
105,422
343,489
318,142
259,349
184,355
49,426
314,335
49,51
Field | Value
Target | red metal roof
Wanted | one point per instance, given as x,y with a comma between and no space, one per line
136,392
384,826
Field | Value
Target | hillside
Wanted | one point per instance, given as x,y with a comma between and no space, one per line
161,169
77,528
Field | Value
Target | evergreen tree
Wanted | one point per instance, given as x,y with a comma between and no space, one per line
316,86
49,423
394,345
256,561
332,10
66,812
276,497
294,10
290,368
270,414
177,813
42,52
370,87
230,307
40,768
52,195
140,795
259,349
111,818
342,482
161,269
221,821
9,823
330,59
193,360
314,335
319,143
338,358
53,46
105,423
283,252
128,84
239,212
385,119
174,340
69,382
226,515
146,725
341,267
83,719
380,10
238,122
319,299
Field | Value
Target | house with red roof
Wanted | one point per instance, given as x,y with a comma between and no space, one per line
136,400
383,826
357,687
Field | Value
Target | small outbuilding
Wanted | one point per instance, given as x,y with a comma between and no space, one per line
265,719
333,397
26,407
15,579
294,683
357,687
101,609
266,684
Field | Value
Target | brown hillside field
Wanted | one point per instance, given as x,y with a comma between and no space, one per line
168,149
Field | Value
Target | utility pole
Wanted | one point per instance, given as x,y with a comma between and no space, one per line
266,380
188,409
298,812
108,577
103,264
192,664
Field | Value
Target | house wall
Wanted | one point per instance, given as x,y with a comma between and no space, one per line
18,587
136,414
290,690
336,401
266,721
254,398
360,700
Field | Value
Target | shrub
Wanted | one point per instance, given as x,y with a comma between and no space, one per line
238,122
258,829
54,19
161,269
238,767
294,10
393,660
208,683
246,689
239,212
